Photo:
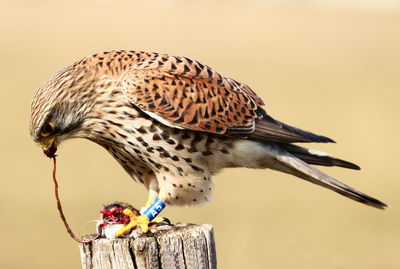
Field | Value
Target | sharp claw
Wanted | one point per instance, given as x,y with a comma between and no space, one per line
167,221
161,221
142,222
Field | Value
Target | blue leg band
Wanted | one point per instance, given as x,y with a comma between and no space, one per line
156,207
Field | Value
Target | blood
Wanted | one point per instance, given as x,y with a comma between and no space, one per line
115,215
112,216
60,210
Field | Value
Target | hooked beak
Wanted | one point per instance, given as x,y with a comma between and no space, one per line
49,147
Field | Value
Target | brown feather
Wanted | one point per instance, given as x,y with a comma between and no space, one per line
268,129
191,95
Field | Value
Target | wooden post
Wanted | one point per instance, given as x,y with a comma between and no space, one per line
183,246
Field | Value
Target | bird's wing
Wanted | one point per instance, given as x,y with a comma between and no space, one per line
184,93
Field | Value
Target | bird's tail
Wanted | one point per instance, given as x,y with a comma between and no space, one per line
298,166
311,156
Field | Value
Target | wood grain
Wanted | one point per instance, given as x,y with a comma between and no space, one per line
183,246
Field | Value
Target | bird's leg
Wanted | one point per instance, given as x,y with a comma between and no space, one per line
152,196
144,219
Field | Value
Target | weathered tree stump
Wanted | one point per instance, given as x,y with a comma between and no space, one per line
183,246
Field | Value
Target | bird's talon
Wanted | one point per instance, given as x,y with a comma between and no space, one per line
160,221
128,212
142,222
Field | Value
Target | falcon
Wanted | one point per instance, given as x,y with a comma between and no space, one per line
172,123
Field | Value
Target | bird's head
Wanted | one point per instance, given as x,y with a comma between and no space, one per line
60,106
113,213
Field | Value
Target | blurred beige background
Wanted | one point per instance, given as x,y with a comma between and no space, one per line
328,67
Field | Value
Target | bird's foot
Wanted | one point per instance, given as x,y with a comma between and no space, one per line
159,223
160,220
141,221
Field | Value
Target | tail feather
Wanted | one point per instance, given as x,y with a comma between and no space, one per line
317,157
270,130
289,163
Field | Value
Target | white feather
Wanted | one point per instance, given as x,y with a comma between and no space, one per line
319,153
162,120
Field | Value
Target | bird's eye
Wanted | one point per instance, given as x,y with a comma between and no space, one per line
47,129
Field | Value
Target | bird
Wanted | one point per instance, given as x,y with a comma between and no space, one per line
172,123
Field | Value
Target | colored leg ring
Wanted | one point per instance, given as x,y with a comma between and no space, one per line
156,207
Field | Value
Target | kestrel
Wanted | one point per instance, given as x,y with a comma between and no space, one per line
173,122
